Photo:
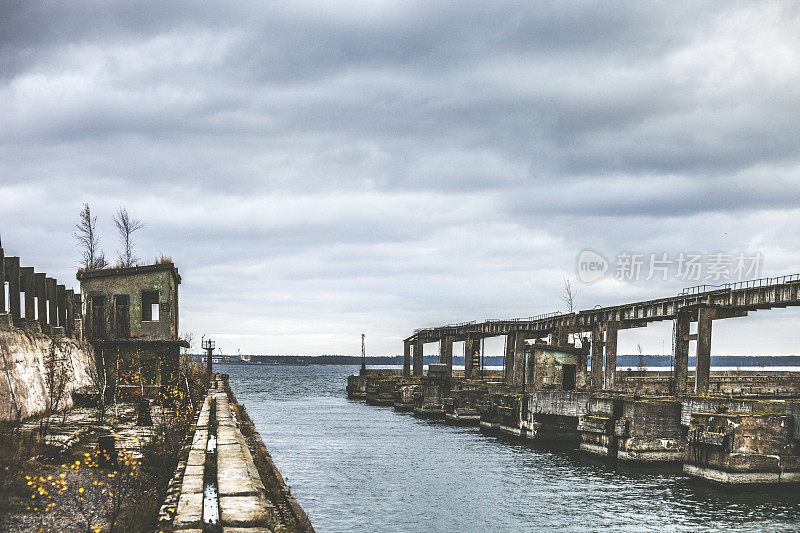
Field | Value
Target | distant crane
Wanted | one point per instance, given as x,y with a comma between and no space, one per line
363,355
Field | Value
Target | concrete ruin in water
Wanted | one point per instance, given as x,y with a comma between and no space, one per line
560,385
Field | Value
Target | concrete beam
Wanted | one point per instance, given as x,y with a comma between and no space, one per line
518,379
597,358
69,298
61,300
611,355
681,373
446,352
705,317
472,345
508,357
40,289
406,358
2,281
27,285
12,276
52,316
418,357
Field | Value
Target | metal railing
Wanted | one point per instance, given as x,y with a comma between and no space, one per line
736,285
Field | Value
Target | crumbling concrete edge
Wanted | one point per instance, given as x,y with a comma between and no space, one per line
166,515
259,449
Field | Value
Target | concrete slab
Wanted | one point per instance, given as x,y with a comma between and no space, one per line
244,511
190,511
197,457
235,481
192,484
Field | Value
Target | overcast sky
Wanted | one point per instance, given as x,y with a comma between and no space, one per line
319,169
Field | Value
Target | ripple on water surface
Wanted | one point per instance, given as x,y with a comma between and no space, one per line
355,467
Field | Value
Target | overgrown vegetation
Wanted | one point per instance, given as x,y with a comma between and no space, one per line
95,491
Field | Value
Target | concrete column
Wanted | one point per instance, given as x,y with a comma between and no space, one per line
40,289
597,358
61,300
12,275
2,280
471,345
52,317
561,337
446,352
611,355
683,320
508,357
705,315
418,357
26,282
69,298
406,358
519,360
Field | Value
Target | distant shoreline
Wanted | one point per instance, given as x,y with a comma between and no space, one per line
650,361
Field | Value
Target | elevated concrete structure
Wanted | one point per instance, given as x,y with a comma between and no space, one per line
725,427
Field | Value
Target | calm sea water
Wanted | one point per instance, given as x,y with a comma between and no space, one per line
355,467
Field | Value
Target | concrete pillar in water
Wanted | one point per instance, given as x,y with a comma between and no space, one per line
683,321
508,357
61,300
26,282
52,315
597,358
611,354
12,275
705,316
472,344
519,360
406,358
418,357
446,352
40,290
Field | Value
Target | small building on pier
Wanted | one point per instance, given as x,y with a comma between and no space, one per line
554,367
131,319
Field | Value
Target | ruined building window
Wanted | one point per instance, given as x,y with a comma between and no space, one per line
98,326
149,306
122,316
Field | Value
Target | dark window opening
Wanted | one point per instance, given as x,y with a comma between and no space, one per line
98,304
569,377
122,315
149,306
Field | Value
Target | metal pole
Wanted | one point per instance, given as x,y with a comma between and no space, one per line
363,355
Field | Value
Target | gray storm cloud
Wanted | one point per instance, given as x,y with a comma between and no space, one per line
318,169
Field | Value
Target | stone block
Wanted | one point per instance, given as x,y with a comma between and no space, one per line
190,511
244,511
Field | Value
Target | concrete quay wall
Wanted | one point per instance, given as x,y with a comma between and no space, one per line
665,429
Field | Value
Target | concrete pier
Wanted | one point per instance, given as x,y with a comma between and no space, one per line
221,484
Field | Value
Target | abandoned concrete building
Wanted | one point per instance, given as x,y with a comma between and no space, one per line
131,319
554,367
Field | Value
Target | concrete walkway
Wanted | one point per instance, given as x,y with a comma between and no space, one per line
243,504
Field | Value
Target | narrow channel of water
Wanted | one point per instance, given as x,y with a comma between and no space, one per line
355,467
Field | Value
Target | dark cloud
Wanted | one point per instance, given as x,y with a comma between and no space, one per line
387,165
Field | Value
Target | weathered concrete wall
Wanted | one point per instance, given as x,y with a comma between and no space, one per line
161,278
26,355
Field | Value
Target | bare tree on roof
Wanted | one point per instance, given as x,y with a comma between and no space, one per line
568,297
85,233
126,225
